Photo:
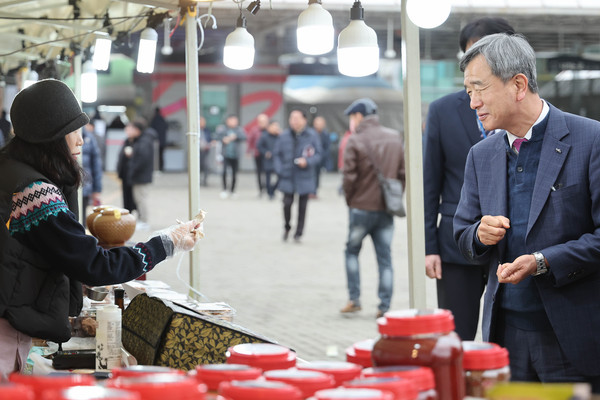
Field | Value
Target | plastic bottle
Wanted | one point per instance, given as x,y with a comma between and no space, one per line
108,338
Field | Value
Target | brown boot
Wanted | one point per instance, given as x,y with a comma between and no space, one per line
350,308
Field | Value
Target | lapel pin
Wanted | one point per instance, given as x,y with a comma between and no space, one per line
559,151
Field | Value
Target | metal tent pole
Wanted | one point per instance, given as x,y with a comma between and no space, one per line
193,135
414,161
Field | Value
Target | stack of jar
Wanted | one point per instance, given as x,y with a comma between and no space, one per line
421,346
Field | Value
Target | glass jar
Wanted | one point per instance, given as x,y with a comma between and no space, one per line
307,381
41,383
352,394
161,386
485,365
213,374
258,389
403,389
340,370
265,356
423,338
16,392
421,376
90,393
141,370
360,353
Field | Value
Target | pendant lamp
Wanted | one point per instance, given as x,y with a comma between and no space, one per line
357,51
238,52
314,34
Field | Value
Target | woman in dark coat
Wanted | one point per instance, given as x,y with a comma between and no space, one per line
42,214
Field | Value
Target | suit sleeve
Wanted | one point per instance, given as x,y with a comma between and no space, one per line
432,178
577,259
468,215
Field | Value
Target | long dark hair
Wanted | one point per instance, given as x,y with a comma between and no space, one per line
53,159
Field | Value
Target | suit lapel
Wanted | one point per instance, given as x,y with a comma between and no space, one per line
552,158
468,118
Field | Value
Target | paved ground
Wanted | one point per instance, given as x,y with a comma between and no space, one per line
287,291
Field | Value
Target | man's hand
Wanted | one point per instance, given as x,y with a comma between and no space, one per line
518,270
433,266
301,162
492,229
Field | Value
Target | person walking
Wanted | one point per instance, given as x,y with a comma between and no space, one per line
161,127
296,155
450,131
320,126
41,213
371,147
254,135
206,143
91,162
136,166
231,136
530,208
266,146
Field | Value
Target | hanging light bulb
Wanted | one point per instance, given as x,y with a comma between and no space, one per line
147,51
89,83
428,14
357,51
315,29
101,57
167,50
238,52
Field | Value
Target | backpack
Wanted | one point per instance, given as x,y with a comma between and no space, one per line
34,297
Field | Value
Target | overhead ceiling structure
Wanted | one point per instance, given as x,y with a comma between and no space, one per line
42,30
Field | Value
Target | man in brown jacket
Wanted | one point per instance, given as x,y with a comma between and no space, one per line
372,147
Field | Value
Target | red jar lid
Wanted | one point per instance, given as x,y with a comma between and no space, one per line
213,374
41,383
403,389
161,386
259,389
90,393
265,356
307,381
422,376
10,391
353,394
360,353
415,322
340,370
483,356
140,370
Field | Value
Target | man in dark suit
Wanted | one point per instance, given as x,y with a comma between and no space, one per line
530,209
450,131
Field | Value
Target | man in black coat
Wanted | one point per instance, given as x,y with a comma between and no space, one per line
451,129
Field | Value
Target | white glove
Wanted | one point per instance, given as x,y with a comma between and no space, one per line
183,236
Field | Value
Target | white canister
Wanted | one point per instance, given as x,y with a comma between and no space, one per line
108,338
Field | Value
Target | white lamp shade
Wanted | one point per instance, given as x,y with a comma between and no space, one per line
238,52
357,52
314,34
101,57
428,14
89,83
147,51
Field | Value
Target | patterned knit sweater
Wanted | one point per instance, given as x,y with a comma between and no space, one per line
41,219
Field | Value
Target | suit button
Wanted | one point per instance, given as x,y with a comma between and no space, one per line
571,275
470,253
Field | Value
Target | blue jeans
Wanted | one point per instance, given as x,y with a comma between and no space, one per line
380,225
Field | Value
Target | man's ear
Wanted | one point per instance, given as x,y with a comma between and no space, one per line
522,86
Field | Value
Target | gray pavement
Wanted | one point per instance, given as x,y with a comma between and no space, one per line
290,292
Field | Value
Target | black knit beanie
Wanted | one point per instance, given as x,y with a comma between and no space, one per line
46,111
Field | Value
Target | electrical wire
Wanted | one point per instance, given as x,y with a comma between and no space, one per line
141,16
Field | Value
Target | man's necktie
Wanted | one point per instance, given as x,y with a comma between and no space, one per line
517,143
